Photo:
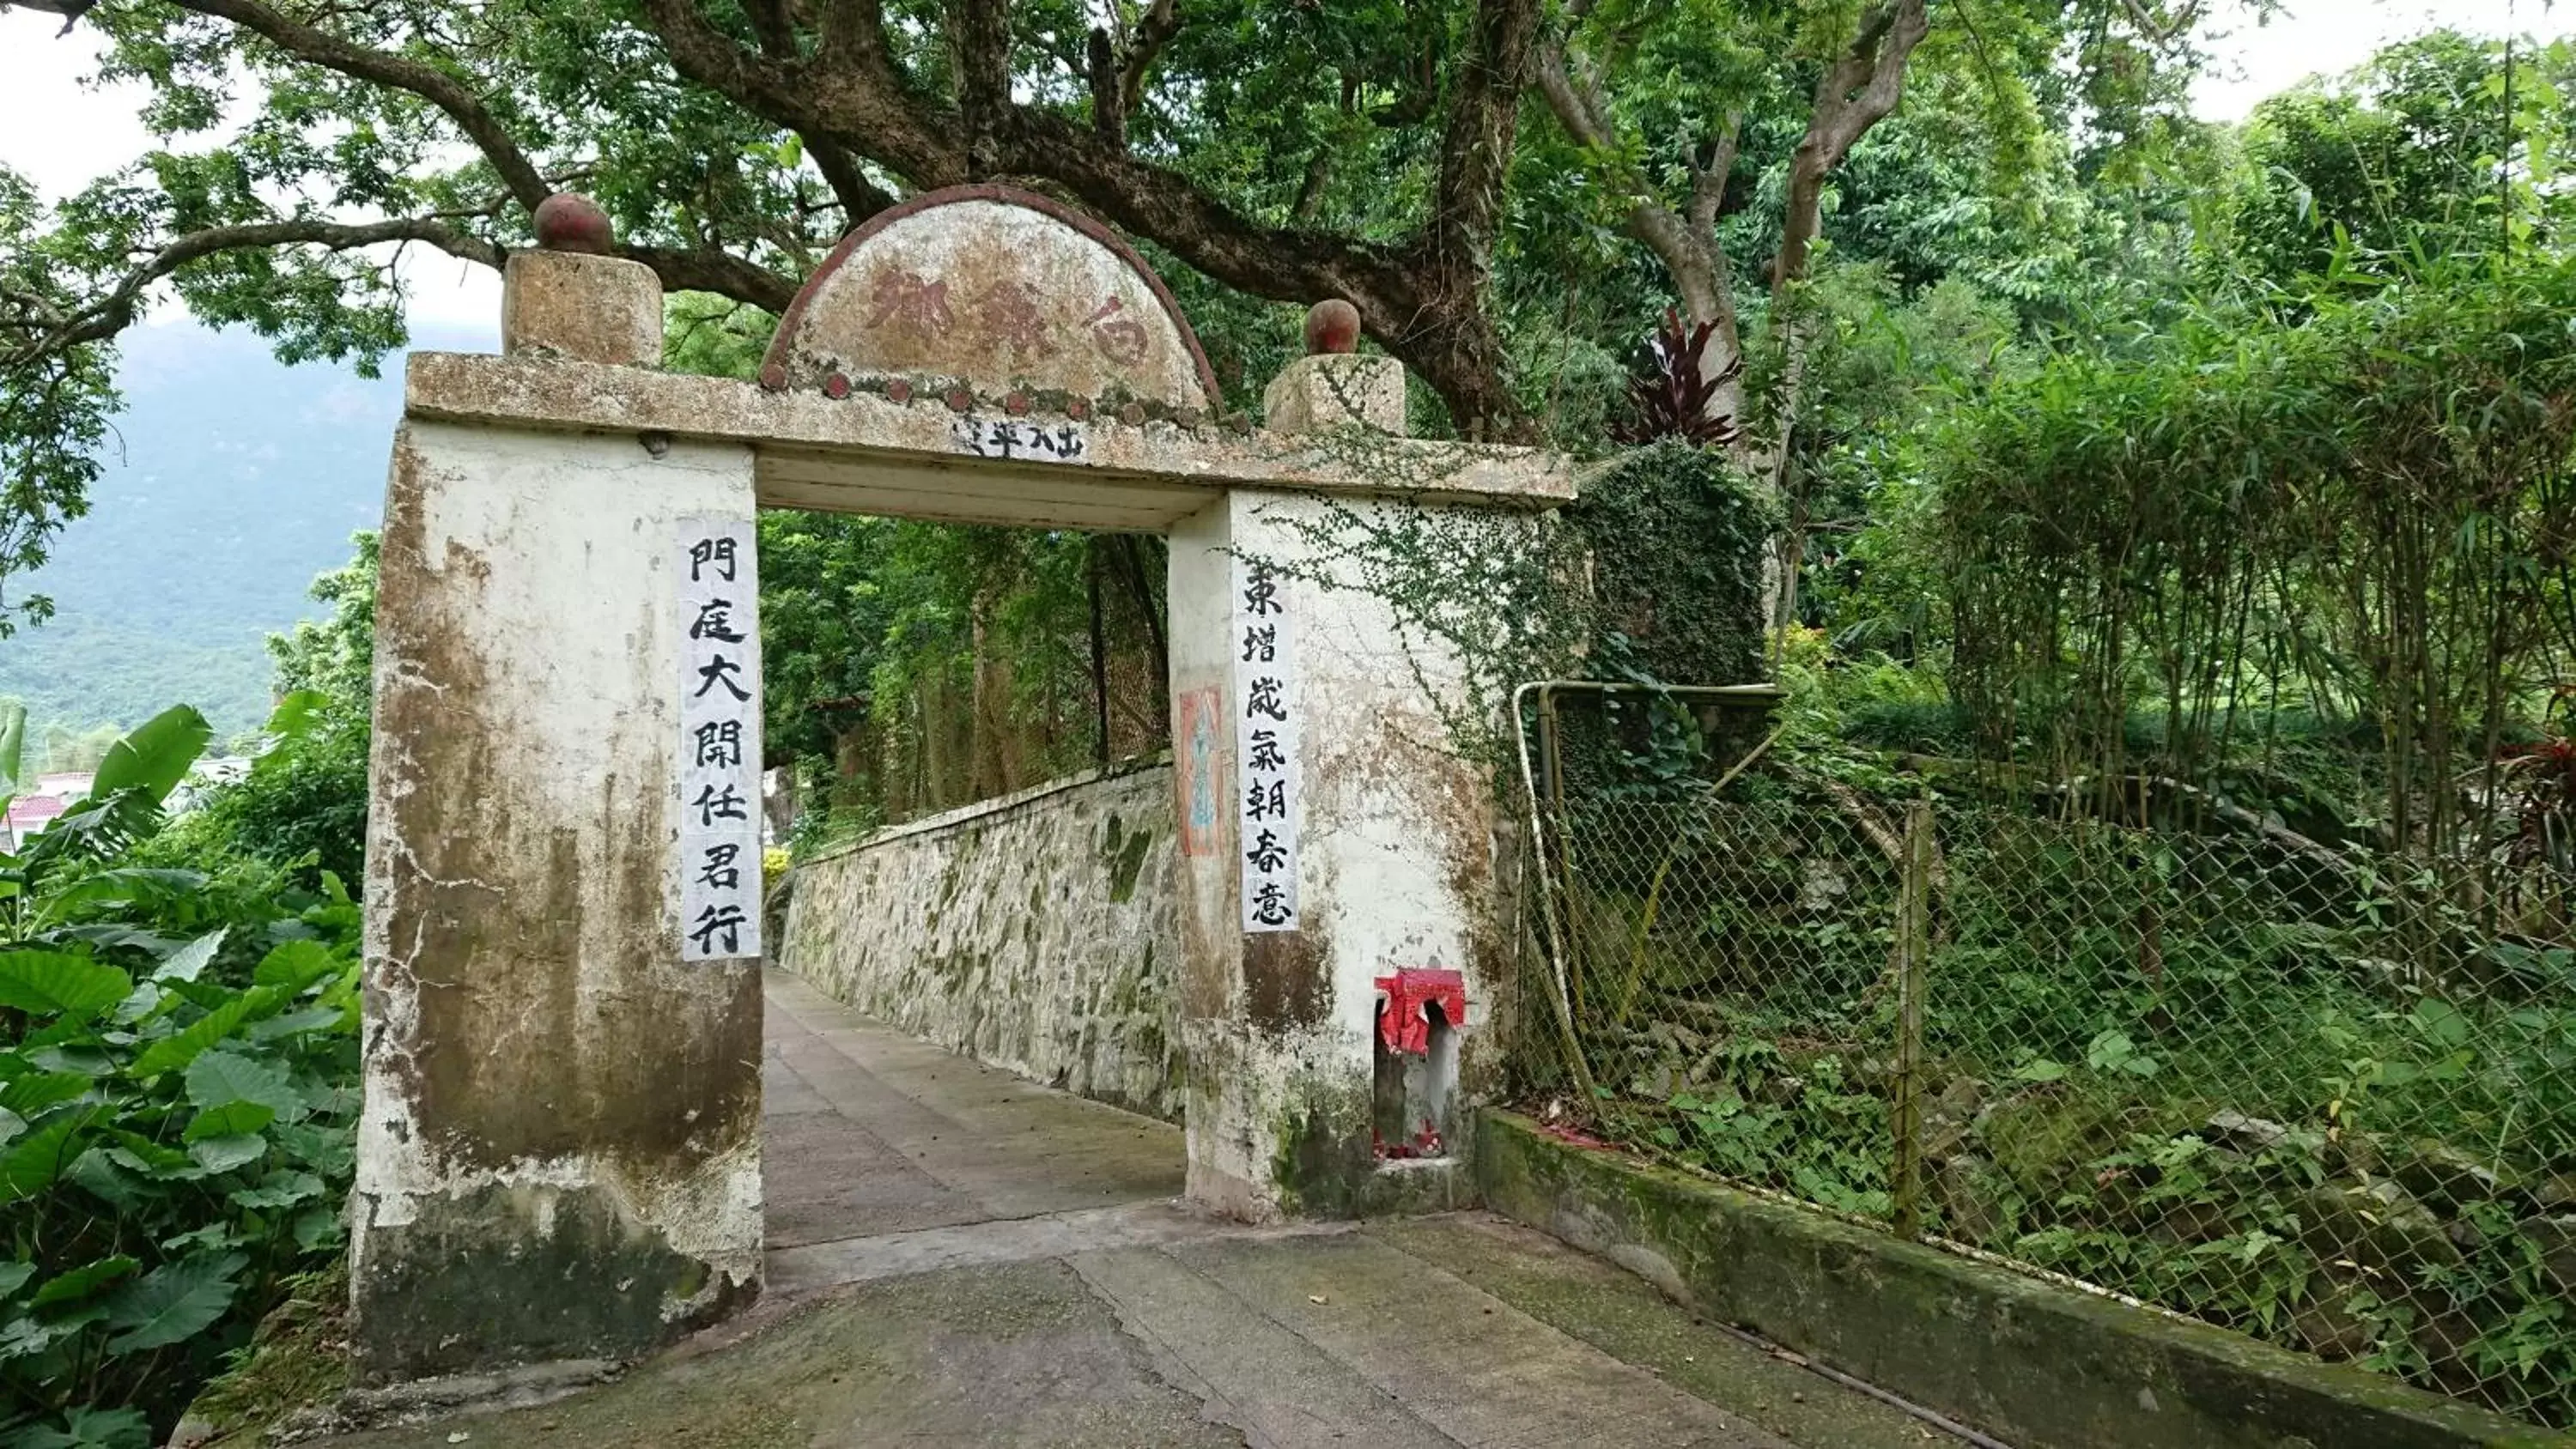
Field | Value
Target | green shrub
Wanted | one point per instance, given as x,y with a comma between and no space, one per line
302,807
177,1102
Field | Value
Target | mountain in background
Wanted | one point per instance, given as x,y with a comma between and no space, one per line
229,483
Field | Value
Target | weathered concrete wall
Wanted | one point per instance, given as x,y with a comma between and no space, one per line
1038,932
559,1153
2030,1362
1397,867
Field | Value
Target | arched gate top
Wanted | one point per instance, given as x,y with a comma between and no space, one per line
999,290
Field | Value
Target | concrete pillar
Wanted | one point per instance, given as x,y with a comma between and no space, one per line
1395,840
559,1155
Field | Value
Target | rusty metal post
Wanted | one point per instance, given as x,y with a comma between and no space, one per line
1548,733
1913,958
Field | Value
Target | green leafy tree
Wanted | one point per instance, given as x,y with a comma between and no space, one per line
335,657
2437,146
56,394
1716,135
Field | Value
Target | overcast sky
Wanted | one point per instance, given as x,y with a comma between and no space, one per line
61,135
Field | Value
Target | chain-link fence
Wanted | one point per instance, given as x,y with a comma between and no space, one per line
2313,1095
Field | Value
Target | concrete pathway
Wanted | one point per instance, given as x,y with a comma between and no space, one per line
962,1258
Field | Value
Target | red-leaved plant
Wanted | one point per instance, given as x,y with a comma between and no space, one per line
1672,399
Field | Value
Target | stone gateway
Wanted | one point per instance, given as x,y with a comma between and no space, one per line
559,1156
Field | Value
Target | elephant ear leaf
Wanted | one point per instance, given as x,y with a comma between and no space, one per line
35,1160
172,1304
155,757
84,1282
46,983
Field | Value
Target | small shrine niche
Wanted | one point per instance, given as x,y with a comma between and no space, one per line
1419,1013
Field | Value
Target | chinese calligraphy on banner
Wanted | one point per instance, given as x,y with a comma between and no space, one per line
719,592
1265,691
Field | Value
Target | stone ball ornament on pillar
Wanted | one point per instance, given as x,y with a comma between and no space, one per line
1332,386
1332,326
569,298
569,222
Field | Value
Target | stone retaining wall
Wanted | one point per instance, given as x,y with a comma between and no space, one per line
2037,1365
1037,932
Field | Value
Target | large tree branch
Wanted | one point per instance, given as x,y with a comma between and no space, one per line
1162,21
680,269
1579,109
704,269
103,319
1476,145
1709,180
860,198
332,52
773,27
854,33
848,95
1441,333
1857,91
718,271
774,23
1436,326
1708,200
1423,301
1685,241
1108,106
1310,191
979,48
1117,80
1150,201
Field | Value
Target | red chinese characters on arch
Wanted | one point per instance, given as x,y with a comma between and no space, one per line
1122,340
1011,319
999,294
909,302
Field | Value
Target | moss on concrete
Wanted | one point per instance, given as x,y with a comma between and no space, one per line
1126,861
508,1275
1323,1158
2037,1365
1415,1186
297,1365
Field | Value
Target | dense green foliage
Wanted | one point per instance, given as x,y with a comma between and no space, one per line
2343,494
178,1048
1676,541
178,1058
2184,1064
2228,633
2400,160
923,666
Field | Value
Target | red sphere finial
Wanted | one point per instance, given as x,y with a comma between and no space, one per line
570,223
1332,326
